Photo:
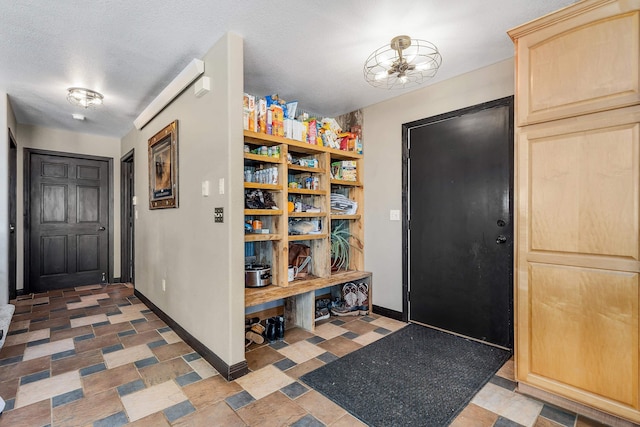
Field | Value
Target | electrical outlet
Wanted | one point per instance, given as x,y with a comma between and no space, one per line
218,214
164,285
394,215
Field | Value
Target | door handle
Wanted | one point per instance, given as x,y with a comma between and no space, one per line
12,228
101,229
501,239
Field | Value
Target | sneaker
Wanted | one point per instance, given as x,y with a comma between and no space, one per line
344,310
363,298
322,314
350,296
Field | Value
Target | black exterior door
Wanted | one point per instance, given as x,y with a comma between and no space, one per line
460,210
68,221
13,153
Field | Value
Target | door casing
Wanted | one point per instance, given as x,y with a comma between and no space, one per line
127,218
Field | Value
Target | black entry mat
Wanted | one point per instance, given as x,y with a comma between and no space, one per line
416,376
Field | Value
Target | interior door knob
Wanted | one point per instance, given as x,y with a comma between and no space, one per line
501,239
12,228
101,229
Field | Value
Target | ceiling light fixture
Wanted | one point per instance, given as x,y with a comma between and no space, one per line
85,98
404,63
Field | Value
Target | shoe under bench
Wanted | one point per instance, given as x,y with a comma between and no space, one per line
299,296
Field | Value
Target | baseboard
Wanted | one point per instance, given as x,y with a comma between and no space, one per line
229,372
116,280
387,312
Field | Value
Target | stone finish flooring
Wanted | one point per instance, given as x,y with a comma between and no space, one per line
96,356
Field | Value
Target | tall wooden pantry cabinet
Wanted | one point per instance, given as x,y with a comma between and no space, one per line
578,205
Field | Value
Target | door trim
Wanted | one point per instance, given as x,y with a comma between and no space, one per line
28,152
126,210
406,127
13,246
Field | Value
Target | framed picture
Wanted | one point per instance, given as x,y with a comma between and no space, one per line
163,168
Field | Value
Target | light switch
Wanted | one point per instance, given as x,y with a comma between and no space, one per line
205,188
394,215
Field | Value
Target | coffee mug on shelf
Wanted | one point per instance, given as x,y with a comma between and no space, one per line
293,273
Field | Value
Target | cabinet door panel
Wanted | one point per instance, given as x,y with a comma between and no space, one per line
586,63
584,329
584,192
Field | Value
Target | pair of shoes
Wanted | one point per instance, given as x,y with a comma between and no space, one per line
356,300
363,298
255,333
275,328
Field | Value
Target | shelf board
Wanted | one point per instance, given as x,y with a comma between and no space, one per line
297,237
298,146
307,214
263,212
338,216
304,169
262,159
346,183
305,191
261,237
256,296
272,187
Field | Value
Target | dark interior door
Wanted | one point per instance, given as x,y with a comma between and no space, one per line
127,192
13,155
68,221
460,207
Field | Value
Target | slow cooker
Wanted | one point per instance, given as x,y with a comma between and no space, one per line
257,276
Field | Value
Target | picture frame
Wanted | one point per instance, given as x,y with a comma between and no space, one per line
163,168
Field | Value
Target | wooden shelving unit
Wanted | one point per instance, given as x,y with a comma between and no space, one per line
299,294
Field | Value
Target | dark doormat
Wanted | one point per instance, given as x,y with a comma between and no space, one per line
417,376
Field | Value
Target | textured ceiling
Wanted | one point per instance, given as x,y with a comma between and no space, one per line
311,51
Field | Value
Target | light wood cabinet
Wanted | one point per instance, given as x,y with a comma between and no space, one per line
578,205
273,247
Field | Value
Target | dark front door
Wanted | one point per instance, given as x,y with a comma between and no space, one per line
68,221
127,191
13,153
460,211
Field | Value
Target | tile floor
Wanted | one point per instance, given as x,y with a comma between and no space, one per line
96,356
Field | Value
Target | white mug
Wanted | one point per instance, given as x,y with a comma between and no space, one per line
293,273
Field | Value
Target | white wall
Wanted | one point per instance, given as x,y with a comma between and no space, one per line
382,136
201,261
42,138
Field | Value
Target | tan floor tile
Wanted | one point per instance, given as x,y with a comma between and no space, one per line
17,326
137,339
85,411
152,399
339,346
88,320
390,324
97,343
348,421
209,391
112,329
294,335
127,355
303,368
87,301
507,370
329,330
9,388
147,326
276,409
12,351
47,388
70,333
53,323
320,407
104,380
301,351
367,338
509,404
219,414
544,422
264,381
170,337
125,316
261,357
154,420
134,308
203,368
28,367
37,414
48,349
26,337
359,327
164,371
169,351
475,416
76,362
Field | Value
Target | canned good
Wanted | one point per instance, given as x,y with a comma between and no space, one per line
256,224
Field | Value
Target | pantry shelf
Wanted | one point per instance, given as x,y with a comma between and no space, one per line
261,237
263,212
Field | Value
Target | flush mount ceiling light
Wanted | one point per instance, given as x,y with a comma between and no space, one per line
85,98
404,63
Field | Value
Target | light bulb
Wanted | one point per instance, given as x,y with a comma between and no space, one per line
380,75
423,66
403,78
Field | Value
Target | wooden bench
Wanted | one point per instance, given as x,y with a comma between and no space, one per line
299,298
